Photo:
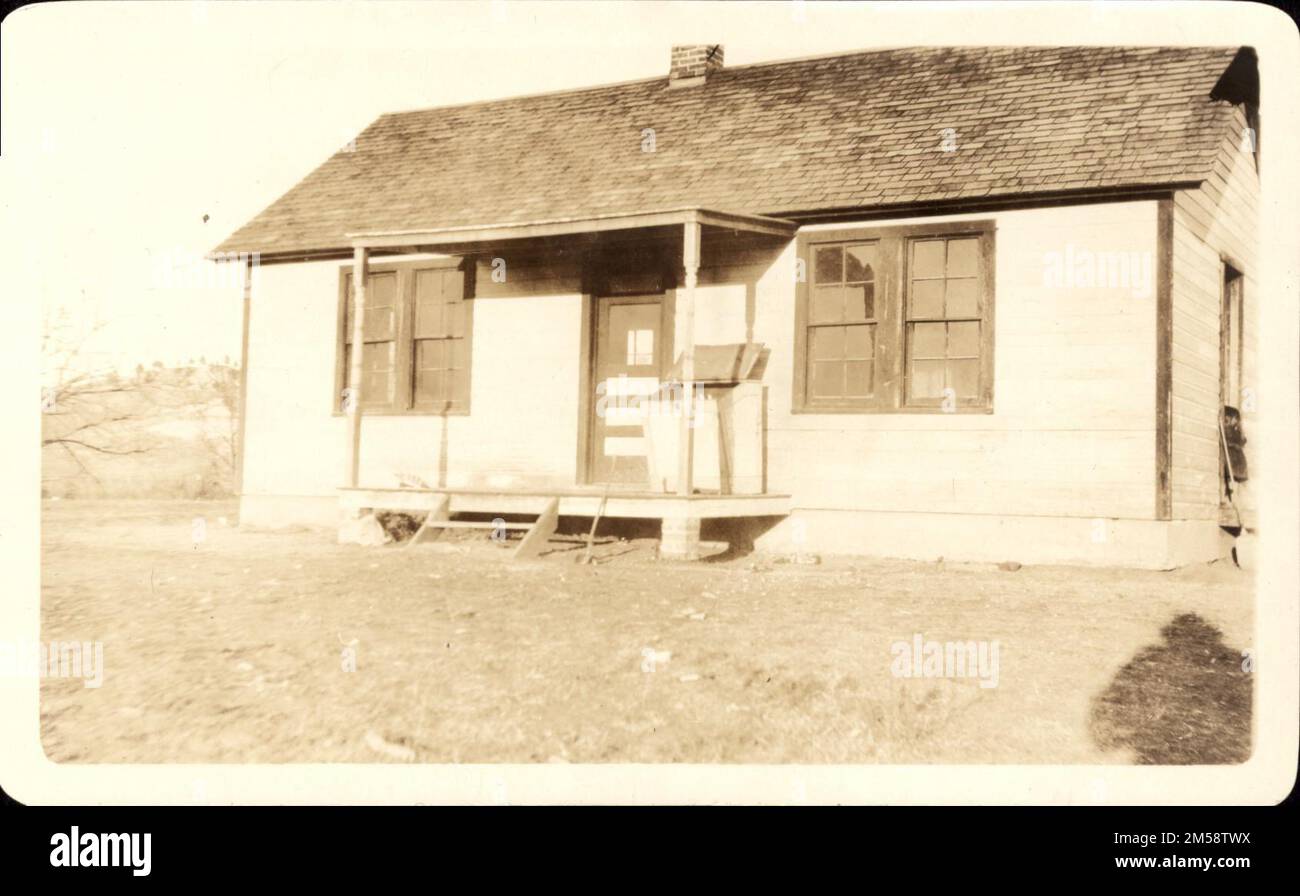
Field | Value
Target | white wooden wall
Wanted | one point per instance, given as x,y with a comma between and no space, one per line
1218,218
1072,433
1073,428
521,431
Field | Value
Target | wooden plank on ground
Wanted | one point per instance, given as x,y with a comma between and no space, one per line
431,522
479,524
543,529
595,521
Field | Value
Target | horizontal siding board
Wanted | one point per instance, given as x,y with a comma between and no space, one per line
1218,219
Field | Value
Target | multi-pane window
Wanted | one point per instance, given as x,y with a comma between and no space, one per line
441,341
379,339
842,322
943,320
895,319
415,339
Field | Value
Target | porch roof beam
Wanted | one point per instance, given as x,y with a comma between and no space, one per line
492,233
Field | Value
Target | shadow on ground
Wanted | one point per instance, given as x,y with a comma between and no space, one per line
1185,701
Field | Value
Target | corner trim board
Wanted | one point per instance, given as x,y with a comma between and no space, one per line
1164,357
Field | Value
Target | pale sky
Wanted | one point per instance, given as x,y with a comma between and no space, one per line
125,124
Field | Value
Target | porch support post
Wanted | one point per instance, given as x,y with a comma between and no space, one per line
352,397
686,313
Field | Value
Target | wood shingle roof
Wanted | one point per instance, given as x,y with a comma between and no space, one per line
856,131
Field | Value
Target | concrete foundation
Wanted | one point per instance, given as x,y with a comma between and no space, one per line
680,539
979,538
1151,544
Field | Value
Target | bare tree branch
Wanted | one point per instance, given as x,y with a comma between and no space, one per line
93,415
92,447
85,469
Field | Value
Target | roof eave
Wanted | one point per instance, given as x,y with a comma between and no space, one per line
495,233
992,201
783,223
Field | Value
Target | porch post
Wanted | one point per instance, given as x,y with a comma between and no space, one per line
686,311
352,397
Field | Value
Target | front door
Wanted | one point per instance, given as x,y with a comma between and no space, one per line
627,367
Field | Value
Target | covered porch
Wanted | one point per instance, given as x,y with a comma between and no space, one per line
692,446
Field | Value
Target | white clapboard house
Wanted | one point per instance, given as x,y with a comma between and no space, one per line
977,303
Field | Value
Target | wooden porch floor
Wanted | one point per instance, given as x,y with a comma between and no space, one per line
574,501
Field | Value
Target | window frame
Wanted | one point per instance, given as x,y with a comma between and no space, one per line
892,292
403,402
878,320
1232,362
1232,332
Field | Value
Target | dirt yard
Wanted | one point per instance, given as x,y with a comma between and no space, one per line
222,645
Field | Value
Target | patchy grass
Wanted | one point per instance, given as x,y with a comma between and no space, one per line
233,650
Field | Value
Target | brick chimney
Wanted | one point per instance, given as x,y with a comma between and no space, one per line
692,64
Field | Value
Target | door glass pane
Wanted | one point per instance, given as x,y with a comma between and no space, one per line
625,318
640,348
